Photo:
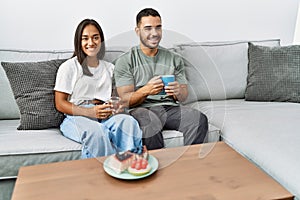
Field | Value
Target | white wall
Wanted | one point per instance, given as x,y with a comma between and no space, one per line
50,24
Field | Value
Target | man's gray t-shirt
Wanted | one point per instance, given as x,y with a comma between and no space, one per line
135,68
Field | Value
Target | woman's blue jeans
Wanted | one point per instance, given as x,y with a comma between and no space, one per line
120,132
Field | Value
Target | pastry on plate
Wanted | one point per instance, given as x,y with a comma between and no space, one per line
135,163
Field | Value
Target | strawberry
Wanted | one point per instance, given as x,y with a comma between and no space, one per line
138,165
133,164
144,164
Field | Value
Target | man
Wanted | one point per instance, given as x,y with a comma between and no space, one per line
138,80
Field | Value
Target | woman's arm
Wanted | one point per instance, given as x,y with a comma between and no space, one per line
63,105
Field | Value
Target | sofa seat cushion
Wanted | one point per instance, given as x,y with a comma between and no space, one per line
21,148
173,138
267,133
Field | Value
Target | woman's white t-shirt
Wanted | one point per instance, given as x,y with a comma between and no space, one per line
70,80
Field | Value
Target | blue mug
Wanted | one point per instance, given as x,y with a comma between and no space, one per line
166,79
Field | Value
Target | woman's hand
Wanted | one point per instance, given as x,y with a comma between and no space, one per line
103,111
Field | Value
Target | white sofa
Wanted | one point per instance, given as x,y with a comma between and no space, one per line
40,145
218,77
252,93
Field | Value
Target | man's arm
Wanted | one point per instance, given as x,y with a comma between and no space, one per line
183,93
134,98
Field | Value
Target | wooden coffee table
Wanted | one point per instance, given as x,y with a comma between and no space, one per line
206,172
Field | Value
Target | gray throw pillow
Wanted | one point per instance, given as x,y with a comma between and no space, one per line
32,84
273,73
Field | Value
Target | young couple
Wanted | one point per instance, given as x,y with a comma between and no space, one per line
84,83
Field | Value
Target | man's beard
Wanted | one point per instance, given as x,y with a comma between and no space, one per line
146,43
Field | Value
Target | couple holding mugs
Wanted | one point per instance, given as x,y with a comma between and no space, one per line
84,86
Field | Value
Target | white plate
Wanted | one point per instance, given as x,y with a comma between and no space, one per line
125,175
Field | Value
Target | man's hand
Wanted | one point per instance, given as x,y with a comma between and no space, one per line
133,98
154,86
178,91
172,89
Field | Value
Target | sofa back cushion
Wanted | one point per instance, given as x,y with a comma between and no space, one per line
9,108
217,70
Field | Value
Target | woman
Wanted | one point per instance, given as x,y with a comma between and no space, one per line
83,84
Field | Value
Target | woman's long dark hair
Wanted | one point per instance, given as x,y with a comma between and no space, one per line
81,56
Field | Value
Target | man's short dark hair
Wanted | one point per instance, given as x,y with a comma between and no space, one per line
146,12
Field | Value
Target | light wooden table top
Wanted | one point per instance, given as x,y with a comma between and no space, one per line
211,171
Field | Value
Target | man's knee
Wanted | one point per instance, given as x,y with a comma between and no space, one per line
151,126
147,119
203,120
195,126
143,115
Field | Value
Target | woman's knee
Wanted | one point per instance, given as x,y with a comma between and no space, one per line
123,116
95,130
124,119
